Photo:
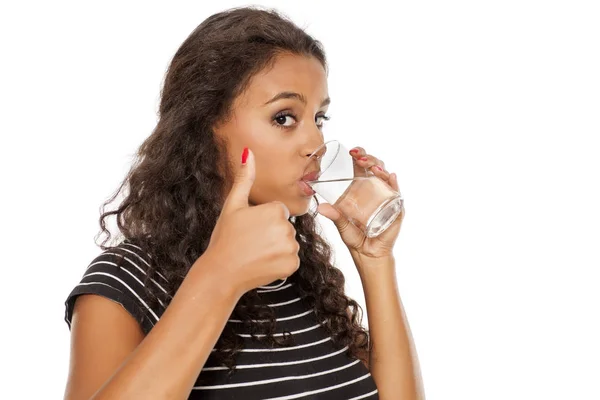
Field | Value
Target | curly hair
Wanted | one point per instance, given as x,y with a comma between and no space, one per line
177,180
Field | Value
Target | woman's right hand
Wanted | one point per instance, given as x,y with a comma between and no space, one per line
252,245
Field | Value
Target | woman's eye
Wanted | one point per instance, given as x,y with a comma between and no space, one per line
324,118
286,120
281,119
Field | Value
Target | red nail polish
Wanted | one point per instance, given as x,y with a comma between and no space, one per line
354,151
244,155
379,168
364,159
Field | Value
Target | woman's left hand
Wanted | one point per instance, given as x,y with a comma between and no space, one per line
358,244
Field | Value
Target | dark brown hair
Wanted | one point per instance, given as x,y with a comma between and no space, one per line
177,181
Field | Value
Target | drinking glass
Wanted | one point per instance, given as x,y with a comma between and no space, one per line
366,200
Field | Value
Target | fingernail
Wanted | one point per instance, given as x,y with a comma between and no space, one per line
354,151
364,159
244,155
379,168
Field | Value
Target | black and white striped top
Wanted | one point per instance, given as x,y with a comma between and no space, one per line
311,369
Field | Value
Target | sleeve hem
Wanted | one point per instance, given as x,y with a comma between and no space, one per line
113,294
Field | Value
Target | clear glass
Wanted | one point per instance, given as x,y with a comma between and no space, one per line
366,200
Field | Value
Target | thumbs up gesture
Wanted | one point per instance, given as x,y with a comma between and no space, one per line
253,245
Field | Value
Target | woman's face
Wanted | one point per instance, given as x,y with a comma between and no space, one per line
281,130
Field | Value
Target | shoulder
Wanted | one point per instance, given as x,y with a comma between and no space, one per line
119,274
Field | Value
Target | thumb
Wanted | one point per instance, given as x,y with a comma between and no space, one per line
328,211
240,190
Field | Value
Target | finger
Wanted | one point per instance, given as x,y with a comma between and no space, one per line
240,191
358,152
328,211
380,172
367,161
393,182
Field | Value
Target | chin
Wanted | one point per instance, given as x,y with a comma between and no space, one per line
299,208
298,214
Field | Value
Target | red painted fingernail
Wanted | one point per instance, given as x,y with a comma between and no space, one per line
244,155
354,151
379,168
364,159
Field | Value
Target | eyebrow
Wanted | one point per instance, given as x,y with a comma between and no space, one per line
294,95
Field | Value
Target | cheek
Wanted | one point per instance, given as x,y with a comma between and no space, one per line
274,176
246,130
275,179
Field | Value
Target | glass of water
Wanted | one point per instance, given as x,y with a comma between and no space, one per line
367,201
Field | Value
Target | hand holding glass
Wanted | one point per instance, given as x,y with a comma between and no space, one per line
366,200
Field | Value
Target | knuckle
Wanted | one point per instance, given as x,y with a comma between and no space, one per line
293,246
291,231
293,265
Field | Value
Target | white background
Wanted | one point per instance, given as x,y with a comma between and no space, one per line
487,111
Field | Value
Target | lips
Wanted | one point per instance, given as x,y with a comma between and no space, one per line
311,176
305,188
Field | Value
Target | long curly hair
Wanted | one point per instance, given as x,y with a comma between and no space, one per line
177,180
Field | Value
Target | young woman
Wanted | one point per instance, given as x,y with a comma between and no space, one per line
220,287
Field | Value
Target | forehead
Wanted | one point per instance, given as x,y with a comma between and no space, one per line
292,73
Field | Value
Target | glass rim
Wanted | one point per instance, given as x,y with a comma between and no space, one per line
312,157
323,145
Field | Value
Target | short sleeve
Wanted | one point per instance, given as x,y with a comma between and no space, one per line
118,274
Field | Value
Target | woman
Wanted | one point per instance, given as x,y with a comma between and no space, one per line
221,287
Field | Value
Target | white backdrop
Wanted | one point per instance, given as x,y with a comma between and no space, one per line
487,111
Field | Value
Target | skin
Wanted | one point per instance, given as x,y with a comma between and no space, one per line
116,361
281,145
281,157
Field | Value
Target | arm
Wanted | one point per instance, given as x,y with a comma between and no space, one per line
393,358
115,361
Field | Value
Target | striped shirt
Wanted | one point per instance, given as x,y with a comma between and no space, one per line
312,368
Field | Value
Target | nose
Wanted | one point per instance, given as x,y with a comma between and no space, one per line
314,156
315,146
318,150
